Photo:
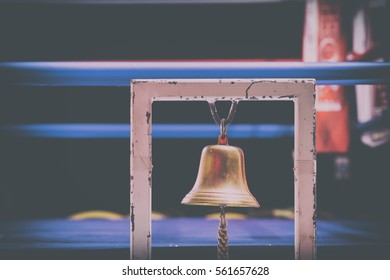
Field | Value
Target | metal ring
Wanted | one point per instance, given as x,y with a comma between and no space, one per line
223,128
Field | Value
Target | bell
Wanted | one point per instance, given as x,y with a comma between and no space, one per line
221,179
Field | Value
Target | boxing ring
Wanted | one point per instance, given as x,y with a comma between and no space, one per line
67,239
119,74
188,238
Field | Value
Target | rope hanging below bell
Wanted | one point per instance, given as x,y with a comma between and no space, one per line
223,248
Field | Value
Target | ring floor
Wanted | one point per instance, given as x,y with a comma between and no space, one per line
189,238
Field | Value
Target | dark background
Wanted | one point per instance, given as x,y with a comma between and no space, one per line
43,177
162,32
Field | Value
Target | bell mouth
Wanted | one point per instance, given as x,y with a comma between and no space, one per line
219,198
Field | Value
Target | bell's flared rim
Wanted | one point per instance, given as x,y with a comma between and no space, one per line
219,198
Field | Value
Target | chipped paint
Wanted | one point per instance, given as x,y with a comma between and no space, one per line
286,96
148,243
133,97
147,117
305,186
132,218
247,89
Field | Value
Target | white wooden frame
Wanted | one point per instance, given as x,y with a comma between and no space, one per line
144,92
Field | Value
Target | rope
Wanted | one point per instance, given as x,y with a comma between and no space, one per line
223,249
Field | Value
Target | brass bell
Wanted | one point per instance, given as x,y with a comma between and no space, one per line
221,179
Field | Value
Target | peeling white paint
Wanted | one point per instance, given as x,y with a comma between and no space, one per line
301,91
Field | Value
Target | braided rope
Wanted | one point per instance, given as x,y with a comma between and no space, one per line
223,249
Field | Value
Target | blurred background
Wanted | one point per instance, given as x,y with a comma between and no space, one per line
51,176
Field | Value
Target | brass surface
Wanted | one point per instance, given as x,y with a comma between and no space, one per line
221,179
